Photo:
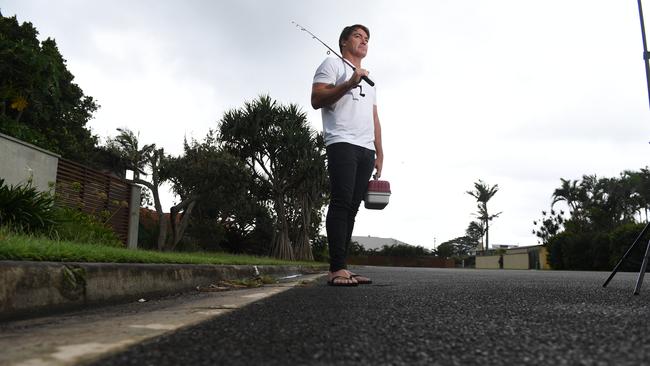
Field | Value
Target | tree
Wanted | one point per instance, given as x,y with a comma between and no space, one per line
570,193
311,195
445,250
126,145
403,250
548,226
483,193
39,102
272,140
605,217
475,232
457,247
218,184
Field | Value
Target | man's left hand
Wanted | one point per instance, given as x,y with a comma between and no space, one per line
379,163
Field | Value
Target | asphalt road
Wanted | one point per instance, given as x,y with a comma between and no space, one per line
424,317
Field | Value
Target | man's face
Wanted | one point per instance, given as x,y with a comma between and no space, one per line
357,43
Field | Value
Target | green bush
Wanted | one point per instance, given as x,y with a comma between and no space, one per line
24,209
594,250
621,239
76,226
554,248
599,252
320,249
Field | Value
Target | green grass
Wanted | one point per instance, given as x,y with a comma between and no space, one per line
28,248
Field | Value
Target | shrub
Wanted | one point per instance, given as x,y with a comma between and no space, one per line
599,251
576,252
620,240
402,250
596,250
74,225
320,249
25,209
554,248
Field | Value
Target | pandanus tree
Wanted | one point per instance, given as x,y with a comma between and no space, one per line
272,140
483,192
309,194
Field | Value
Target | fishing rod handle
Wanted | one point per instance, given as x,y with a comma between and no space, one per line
367,80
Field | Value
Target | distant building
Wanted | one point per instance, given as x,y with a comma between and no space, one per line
503,246
529,257
479,248
373,242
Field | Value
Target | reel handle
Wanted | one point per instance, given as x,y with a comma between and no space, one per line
367,80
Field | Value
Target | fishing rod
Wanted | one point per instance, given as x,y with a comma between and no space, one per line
365,78
646,56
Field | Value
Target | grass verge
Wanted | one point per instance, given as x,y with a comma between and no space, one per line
28,248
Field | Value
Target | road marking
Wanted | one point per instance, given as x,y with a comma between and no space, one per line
65,340
155,326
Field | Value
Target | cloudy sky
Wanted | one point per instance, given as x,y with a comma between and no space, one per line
517,93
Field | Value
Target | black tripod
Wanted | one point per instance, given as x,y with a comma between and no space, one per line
644,264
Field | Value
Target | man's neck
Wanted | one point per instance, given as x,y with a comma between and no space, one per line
356,61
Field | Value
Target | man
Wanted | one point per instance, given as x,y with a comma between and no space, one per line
353,138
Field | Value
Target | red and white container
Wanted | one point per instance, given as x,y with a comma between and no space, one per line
377,195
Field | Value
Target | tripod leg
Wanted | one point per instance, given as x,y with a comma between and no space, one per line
627,254
644,266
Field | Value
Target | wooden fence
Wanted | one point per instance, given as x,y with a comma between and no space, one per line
96,193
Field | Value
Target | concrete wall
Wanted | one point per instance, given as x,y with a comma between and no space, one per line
487,262
543,259
19,161
515,261
515,258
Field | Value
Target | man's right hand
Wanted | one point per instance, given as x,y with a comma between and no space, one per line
323,95
356,77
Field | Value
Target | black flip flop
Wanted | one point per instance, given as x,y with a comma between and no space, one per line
356,277
342,284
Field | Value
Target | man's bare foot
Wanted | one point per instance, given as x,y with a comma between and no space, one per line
341,278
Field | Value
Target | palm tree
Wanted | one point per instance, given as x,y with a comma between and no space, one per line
483,193
570,193
126,145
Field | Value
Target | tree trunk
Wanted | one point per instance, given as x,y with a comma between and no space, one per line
281,245
177,231
302,245
162,223
19,115
487,235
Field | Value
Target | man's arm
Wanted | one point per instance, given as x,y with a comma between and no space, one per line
323,95
379,150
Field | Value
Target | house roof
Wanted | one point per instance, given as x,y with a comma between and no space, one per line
373,242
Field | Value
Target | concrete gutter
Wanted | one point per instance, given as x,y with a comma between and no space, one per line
34,288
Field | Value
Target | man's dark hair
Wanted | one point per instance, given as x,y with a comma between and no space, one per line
347,31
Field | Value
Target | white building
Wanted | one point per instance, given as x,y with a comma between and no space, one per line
373,242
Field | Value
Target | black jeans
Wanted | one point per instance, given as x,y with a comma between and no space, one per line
350,167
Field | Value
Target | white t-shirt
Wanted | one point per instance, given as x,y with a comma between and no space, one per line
351,118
